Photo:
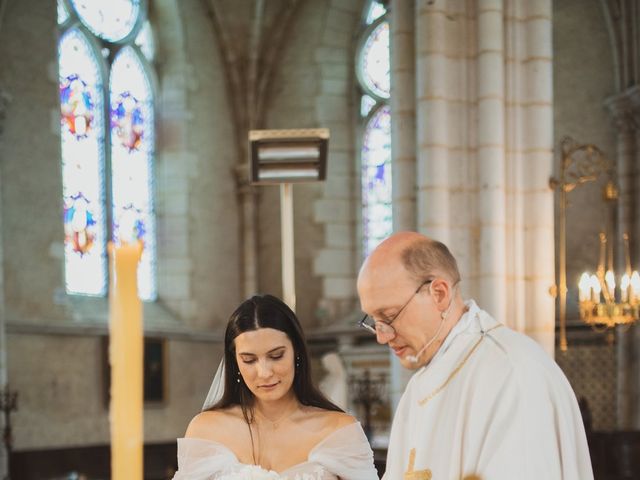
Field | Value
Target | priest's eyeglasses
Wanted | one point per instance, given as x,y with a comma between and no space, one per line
383,327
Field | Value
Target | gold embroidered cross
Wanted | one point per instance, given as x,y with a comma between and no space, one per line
410,474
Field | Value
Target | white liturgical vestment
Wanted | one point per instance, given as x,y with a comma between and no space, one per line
491,405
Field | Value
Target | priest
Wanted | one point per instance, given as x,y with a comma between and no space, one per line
485,402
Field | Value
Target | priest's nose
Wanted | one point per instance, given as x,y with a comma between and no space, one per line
383,337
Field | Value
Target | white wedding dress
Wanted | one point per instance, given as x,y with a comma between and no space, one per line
344,454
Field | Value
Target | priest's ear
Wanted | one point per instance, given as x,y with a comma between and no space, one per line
441,292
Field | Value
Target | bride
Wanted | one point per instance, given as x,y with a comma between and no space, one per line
264,418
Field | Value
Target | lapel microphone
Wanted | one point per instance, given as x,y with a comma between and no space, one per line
443,315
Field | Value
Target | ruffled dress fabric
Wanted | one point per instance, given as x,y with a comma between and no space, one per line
344,454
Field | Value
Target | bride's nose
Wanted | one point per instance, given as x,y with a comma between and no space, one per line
264,369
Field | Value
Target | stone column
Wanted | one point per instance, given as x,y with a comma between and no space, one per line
628,384
491,156
532,156
248,204
403,145
403,115
4,103
434,68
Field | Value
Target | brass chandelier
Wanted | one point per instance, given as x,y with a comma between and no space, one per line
604,301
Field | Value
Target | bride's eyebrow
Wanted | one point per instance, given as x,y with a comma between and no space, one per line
273,350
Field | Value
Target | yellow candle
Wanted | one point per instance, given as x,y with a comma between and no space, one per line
610,280
125,357
595,289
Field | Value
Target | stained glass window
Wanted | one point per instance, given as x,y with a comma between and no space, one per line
82,142
376,10
111,20
376,178
374,63
86,104
146,42
366,105
63,14
132,148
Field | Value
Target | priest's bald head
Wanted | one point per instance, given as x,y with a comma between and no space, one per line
408,289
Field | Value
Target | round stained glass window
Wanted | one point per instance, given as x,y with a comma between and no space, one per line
111,20
374,62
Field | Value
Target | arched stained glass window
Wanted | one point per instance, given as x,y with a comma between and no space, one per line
111,20
373,73
92,214
82,142
132,149
376,178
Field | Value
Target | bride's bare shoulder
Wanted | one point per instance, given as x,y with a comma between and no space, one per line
339,419
207,424
332,420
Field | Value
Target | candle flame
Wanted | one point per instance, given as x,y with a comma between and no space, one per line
610,279
625,282
584,287
635,283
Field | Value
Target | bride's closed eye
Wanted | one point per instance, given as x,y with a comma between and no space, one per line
249,361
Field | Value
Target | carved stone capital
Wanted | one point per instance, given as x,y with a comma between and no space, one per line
622,111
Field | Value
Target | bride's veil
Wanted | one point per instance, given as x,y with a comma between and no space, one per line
216,391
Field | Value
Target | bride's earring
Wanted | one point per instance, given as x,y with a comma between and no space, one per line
297,362
238,379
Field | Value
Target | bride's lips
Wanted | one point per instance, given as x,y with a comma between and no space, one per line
269,386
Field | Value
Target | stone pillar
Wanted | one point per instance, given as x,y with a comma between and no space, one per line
4,103
491,156
434,67
403,145
532,308
249,234
628,384
403,115
485,151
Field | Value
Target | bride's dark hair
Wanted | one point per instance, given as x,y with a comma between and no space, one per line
267,311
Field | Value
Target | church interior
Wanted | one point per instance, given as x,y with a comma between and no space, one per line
508,129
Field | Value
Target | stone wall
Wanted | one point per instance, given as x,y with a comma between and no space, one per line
583,79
